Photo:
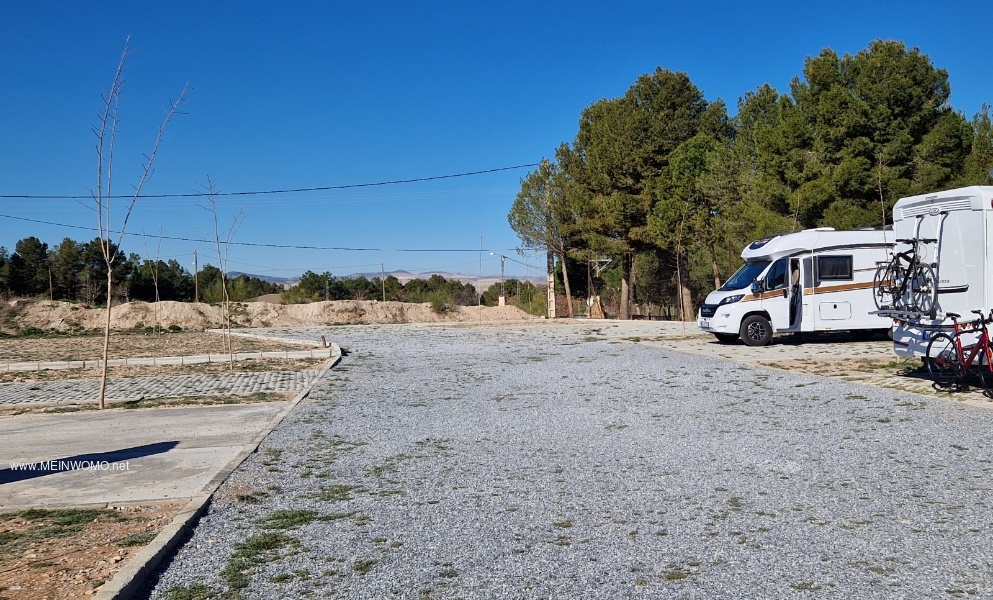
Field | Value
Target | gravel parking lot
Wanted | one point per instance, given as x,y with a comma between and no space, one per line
562,462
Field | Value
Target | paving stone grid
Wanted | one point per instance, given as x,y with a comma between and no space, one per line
174,386
165,360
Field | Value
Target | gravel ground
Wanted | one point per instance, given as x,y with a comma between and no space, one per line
546,462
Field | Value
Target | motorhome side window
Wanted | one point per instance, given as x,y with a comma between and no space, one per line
834,268
776,278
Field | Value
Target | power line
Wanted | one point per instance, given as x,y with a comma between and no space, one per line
267,192
260,245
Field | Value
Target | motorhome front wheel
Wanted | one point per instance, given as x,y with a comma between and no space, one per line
756,331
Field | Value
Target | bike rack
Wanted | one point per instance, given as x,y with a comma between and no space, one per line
900,314
936,264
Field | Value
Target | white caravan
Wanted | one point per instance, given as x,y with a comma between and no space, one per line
813,280
961,222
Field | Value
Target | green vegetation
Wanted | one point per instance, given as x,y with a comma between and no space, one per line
363,566
48,524
669,187
197,591
256,550
77,272
335,493
443,294
138,539
288,519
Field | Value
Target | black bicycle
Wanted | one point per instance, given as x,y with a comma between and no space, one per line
905,282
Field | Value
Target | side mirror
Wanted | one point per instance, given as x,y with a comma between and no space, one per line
758,287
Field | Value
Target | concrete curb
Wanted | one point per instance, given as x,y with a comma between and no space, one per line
132,576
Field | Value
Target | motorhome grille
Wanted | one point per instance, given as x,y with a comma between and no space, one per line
927,208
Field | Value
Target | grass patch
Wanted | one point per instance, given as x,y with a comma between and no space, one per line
49,524
335,493
138,539
363,566
251,497
287,519
255,550
197,591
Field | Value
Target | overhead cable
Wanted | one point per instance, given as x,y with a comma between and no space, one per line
269,192
259,245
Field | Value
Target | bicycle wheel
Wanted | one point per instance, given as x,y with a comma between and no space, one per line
985,374
922,287
882,286
942,360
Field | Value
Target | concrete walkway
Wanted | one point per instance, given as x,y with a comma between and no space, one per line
117,456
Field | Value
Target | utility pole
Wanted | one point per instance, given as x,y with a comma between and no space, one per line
196,284
382,269
479,297
503,297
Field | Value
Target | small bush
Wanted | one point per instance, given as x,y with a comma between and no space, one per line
31,332
441,303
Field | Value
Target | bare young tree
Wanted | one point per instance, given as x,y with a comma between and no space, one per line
222,258
155,274
106,133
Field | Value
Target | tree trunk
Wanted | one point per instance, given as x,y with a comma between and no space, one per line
106,340
551,284
686,299
730,268
624,312
568,292
227,318
715,266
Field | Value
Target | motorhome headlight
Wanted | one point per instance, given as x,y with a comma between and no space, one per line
731,299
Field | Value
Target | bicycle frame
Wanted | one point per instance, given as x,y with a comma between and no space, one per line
982,344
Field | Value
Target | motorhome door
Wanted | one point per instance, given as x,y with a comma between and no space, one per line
781,298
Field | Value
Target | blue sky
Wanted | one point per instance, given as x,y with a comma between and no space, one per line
312,94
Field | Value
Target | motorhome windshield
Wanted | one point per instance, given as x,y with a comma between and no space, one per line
745,275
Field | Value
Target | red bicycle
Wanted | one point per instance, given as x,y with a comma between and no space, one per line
950,358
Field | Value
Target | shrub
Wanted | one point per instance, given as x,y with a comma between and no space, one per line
441,303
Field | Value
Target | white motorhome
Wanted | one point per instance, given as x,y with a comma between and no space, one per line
961,223
813,280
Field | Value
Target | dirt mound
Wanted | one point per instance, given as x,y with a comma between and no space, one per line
63,316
